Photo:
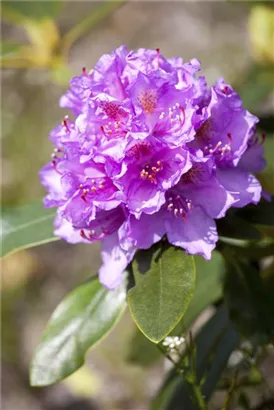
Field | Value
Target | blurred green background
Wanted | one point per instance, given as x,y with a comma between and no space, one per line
43,45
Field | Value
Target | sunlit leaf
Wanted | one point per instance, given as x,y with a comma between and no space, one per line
80,321
165,283
26,226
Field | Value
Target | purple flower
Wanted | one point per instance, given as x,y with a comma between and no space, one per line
150,170
224,127
152,151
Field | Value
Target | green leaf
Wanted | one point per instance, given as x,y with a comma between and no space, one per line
37,10
209,275
26,226
214,344
80,321
249,298
161,296
261,214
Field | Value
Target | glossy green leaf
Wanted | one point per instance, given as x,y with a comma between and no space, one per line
21,10
26,226
165,283
209,275
214,344
249,298
80,321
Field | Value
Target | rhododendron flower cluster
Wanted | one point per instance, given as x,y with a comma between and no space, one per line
149,151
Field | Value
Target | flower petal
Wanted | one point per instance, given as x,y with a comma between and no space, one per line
244,187
196,234
115,261
142,233
64,229
211,196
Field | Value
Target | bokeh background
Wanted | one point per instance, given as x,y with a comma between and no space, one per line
41,50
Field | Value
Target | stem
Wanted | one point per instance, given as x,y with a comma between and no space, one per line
195,385
231,390
176,365
196,389
97,15
197,392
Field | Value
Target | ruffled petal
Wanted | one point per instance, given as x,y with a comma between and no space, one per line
253,159
211,196
197,234
64,229
244,187
142,233
115,260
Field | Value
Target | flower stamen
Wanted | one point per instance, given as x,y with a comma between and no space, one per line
149,172
158,57
148,100
179,206
65,123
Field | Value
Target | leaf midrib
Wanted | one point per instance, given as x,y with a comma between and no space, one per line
161,296
27,224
